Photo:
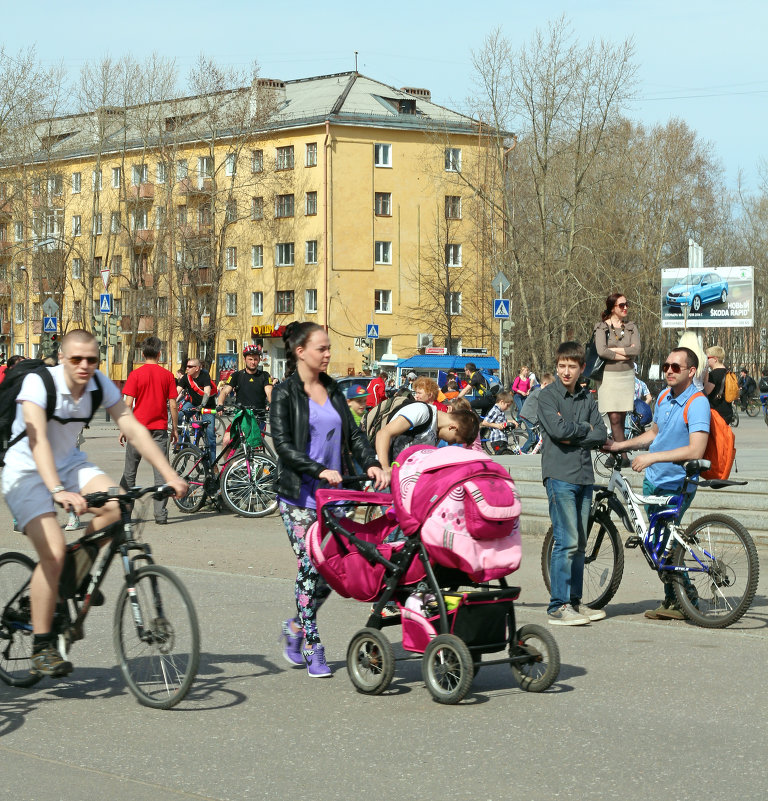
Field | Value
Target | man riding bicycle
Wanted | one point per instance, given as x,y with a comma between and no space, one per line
45,466
251,386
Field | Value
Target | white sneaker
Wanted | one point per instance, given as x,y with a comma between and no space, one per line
73,524
567,616
592,614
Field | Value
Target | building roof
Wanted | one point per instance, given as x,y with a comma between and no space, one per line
448,362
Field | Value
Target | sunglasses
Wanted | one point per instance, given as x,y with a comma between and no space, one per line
192,366
675,368
77,359
622,305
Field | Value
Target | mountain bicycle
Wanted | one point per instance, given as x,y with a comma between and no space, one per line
246,482
511,442
155,630
712,564
753,406
603,462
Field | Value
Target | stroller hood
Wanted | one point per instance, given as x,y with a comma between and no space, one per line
465,506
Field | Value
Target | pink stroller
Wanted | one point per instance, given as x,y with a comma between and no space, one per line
441,551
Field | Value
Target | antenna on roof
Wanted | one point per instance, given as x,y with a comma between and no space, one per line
355,60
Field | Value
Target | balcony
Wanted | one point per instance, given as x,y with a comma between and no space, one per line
6,209
141,239
195,232
195,186
196,276
141,193
5,328
6,249
5,288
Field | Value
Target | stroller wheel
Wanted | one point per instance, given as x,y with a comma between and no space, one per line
447,668
370,661
535,658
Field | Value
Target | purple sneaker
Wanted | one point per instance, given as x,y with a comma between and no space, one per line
293,642
314,656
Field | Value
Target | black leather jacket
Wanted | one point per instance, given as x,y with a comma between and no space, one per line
289,422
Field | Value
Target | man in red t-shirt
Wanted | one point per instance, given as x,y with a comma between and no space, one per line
151,389
377,389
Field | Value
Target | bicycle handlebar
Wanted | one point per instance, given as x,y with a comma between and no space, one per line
95,500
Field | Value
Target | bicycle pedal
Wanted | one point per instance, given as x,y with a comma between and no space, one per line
633,542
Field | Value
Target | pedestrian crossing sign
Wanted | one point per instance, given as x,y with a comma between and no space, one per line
372,332
105,303
501,309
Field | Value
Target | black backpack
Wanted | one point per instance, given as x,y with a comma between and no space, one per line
11,387
764,384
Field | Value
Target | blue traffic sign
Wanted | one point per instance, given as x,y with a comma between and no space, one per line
50,325
105,303
501,309
372,332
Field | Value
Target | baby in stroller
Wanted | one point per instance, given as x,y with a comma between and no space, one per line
459,513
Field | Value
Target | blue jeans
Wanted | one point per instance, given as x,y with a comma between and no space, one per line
533,437
519,401
569,511
210,430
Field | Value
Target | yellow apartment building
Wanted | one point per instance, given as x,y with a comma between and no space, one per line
213,221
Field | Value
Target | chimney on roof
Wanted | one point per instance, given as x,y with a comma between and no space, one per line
267,97
422,94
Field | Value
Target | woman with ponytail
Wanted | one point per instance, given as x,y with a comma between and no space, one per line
316,441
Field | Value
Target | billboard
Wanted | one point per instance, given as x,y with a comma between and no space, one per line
715,297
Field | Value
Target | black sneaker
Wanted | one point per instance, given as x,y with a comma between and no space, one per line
49,662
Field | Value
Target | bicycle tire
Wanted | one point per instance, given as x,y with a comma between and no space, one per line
602,571
191,465
16,638
159,667
601,464
735,417
722,583
250,493
753,407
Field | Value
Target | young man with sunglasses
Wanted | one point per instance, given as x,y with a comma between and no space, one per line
670,441
45,467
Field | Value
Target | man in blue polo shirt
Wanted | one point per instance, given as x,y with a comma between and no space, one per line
670,441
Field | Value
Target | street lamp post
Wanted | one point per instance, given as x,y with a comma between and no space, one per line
34,246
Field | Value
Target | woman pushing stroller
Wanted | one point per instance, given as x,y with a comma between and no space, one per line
316,440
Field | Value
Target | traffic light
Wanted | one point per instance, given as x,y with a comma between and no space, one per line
112,321
100,332
366,362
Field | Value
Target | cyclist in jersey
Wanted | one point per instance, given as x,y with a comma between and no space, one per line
251,386
195,391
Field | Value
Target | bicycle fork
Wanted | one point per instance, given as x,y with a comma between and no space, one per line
129,566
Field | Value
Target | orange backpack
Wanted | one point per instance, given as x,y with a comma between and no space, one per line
721,445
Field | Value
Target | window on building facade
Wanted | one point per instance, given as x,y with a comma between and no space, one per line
117,307
77,311
231,210
257,161
453,159
182,170
257,256
383,204
114,222
161,172
162,307
231,346
310,253
181,216
96,181
310,301
55,185
453,255
284,206
97,224
284,254
257,208
311,204
18,231
230,165
76,225
257,303
160,214
454,303
139,220
284,302
383,252
116,177
231,258
204,215
452,207
284,158
311,159
77,268
205,167
116,265
231,304
77,180
19,316
139,174
382,301
382,155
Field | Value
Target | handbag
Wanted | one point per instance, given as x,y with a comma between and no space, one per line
594,364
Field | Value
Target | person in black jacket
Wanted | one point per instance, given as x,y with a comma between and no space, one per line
316,441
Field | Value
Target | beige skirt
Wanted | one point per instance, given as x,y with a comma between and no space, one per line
617,392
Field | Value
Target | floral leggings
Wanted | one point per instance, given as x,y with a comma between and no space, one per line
311,587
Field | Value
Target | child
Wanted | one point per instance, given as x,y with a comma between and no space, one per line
463,405
496,421
357,400
529,414
571,426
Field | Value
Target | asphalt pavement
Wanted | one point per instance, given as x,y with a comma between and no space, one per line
641,710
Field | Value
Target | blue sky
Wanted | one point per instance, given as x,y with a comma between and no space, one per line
704,61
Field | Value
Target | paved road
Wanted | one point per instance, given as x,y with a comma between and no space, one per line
641,710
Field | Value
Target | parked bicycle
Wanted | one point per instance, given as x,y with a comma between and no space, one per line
155,630
246,478
511,442
712,564
634,425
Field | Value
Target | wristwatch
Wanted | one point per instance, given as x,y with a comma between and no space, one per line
57,488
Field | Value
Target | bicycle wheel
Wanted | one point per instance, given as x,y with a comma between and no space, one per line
753,407
542,664
248,486
192,467
370,661
447,668
735,418
159,663
603,467
15,621
603,563
721,571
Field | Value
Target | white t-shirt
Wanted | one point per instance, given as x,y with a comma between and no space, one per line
416,414
62,436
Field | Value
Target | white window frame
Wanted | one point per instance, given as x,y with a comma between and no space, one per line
310,159
231,256
77,268
257,257
454,304
77,182
453,159
55,185
231,346
114,222
77,225
97,224
139,220
231,304
310,251
116,177
310,301
284,155
116,268
382,301
257,207
285,255
285,206
230,164
139,174
19,313
453,204
161,172
453,254
97,182
285,293
383,208
310,208
382,252
257,161
182,169
18,231
382,154
257,304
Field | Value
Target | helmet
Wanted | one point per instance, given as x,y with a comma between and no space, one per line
252,350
